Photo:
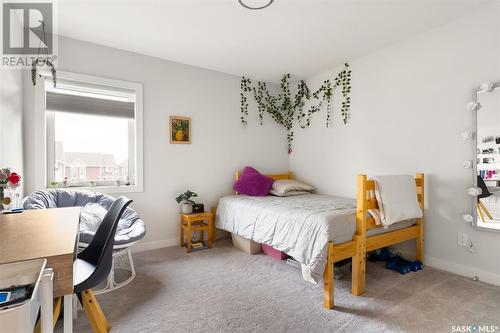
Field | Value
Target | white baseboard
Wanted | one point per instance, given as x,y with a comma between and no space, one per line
463,270
158,244
459,269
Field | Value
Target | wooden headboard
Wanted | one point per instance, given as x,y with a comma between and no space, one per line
276,176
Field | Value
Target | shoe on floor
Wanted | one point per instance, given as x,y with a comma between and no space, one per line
397,266
414,265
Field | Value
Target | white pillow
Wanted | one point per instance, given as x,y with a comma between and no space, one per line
283,186
288,194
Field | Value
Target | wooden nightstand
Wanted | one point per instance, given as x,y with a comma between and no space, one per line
197,222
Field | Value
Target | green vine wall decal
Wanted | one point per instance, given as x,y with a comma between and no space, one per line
285,108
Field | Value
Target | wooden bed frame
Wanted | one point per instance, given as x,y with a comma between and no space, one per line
361,243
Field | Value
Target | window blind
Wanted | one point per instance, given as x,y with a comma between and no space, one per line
89,105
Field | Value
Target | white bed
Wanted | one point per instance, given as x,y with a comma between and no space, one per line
301,226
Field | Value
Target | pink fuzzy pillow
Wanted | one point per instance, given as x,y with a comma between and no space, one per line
252,182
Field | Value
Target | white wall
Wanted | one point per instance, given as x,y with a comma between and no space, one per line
408,109
11,116
220,145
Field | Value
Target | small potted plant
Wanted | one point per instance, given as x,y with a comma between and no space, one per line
187,203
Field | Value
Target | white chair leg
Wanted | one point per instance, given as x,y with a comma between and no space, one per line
118,262
75,307
132,267
109,281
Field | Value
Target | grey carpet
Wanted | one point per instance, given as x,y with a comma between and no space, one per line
224,290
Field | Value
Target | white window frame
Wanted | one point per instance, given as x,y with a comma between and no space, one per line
45,133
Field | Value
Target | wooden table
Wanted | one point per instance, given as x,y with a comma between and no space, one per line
44,233
196,222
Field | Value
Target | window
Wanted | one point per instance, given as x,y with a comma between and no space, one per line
97,145
93,133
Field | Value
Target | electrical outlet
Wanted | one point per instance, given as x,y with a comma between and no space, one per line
462,239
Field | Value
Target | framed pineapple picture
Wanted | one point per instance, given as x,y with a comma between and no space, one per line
180,129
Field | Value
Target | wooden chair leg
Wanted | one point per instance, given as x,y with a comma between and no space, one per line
480,212
99,310
90,308
483,207
328,285
57,310
56,313
359,269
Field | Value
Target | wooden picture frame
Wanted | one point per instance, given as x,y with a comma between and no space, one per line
180,129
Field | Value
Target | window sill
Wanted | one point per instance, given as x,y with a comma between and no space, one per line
107,189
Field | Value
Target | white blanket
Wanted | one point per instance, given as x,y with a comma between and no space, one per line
397,199
301,226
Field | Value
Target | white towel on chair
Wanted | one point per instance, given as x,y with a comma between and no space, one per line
397,198
375,213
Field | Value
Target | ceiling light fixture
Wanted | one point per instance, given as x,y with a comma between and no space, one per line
255,8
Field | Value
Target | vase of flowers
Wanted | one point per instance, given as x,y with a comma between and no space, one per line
9,181
187,203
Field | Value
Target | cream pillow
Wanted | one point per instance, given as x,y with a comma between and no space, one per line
287,194
284,186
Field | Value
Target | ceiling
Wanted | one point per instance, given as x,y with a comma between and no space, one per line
298,37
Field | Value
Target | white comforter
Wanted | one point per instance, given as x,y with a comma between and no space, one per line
301,226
